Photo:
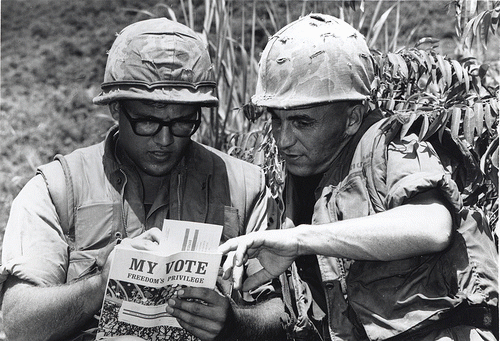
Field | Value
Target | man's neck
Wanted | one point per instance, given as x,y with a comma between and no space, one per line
151,185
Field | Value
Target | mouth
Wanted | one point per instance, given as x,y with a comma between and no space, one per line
290,156
159,155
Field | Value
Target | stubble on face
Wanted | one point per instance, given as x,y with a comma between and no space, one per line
313,137
157,155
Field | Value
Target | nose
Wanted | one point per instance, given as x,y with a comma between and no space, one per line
164,137
284,135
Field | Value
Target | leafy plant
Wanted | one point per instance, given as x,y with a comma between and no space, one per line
52,67
423,90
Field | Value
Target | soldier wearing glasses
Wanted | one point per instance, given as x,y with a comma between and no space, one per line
67,219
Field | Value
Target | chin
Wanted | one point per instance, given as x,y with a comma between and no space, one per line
158,172
300,172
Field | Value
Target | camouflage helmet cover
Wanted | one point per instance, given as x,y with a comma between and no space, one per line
159,60
315,59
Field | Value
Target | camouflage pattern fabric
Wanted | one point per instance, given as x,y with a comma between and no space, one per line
313,60
159,60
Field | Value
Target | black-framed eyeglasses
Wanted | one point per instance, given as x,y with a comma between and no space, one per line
149,126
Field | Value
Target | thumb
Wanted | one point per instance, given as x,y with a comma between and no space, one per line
258,278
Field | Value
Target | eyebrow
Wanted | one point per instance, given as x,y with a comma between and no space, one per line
153,118
293,117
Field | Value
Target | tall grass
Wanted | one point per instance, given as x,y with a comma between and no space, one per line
412,81
49,111
47,86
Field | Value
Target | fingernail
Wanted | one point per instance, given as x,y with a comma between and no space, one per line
171,302
180,292
169,310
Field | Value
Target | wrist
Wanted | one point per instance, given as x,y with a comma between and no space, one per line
96,290
227,332
301,233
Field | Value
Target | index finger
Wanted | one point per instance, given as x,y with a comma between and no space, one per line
228,246
238,244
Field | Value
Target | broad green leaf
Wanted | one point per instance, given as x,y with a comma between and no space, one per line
489,120
424,128
458,70
448,113
477,21
490,158
467,35
479,114
390,104
441,67
434,77
495,14
445,69
486,29
494,106
455,121
469,123
438,122
395,64
418,57
427,40
407,125
429,61
414,68
409,90
403,68
466,80
483,69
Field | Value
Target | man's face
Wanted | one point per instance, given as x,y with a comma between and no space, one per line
158,154
309,139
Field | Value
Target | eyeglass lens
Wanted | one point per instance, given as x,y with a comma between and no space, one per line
149,126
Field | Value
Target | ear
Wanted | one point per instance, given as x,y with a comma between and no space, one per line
355,116
114,109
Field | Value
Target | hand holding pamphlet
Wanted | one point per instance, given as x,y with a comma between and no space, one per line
141,282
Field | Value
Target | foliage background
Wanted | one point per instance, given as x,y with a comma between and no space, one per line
53,55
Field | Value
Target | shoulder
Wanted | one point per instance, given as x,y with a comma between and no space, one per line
76,161
244,179
231,163
90,153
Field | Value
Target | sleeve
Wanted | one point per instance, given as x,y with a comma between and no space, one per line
34,247
414,167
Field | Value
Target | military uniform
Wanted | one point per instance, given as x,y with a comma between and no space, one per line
317,60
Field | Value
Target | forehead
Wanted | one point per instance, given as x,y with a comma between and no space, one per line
320,112
159,109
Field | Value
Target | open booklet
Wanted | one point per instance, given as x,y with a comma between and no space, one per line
141,282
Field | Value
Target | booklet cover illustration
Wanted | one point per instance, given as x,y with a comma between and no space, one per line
141,282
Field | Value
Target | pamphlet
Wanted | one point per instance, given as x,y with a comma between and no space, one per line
141,282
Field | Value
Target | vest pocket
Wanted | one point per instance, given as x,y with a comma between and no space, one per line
93,226
231,223
81,263
93,231
352,199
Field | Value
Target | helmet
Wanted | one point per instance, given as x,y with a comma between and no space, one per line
159,60
315,59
